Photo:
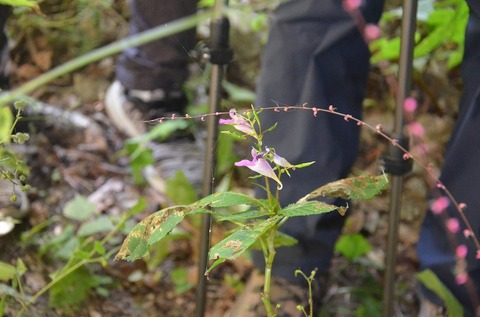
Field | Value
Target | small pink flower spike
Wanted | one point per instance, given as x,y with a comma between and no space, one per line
416,129
371,32
461,251
453,225
351,5
461,278
410,105
467,233
439,205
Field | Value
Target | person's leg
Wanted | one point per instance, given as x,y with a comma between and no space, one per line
461,175
315,55
150,77
4,14
163,63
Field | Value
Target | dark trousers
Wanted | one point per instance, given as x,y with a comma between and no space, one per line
316,55
163,63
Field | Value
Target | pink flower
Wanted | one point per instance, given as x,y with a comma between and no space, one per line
461,251
238,122
453,225
410,105
461,278
350,5
439,205
416,129
259,165
371,32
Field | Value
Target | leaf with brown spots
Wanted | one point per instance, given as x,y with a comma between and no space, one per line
354,188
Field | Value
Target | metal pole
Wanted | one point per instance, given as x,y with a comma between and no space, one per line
219,55
399,167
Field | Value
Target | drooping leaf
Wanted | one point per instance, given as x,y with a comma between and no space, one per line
227,199
151,230
433,283
354,188
307,209
239,241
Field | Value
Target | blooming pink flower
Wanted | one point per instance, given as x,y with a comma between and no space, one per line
260,165
439,205
238,122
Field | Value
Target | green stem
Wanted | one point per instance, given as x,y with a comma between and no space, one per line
108,50
266,297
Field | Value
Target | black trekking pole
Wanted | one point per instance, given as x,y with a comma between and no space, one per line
395,164
218,54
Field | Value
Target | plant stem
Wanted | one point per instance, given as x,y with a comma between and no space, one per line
268,274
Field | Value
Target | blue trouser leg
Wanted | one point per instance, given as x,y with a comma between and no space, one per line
316,55
163,63
461,175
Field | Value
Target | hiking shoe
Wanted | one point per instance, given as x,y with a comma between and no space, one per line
285,298
130,110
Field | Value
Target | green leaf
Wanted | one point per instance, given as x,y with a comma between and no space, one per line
244,215
7,271
78,208
238,242
151,230
99,248
100,224
73,289
227,199
283,240
433,283
179,190
237,93
352,246
25,3
162,131
179,277
355,188
6,121
307,209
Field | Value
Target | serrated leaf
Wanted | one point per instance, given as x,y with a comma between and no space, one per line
354,188
238,242
307,209
433,283
100,224
151,230
78,208
227,199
